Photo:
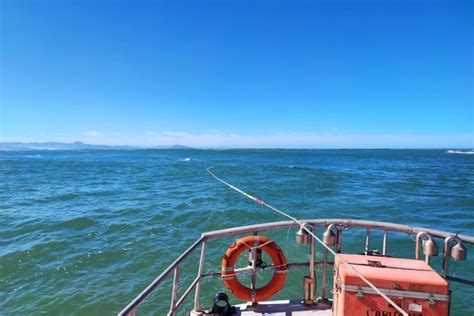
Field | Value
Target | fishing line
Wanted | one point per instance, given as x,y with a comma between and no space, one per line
262,203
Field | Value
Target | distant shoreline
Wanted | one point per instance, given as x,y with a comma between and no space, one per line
20,146
78,146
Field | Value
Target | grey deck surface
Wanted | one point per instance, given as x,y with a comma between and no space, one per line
282,308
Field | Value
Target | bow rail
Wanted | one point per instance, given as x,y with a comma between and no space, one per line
329,224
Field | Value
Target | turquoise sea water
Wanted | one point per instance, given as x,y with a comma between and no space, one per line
83,232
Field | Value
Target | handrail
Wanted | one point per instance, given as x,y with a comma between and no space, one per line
385,226
412,230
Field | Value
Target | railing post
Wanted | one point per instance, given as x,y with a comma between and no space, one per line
325,270
312,272
339,239
197,302
174,292
367,241
384,246
253,284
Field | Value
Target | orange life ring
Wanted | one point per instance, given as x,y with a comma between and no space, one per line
279,262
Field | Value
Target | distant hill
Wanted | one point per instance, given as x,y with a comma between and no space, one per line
179,147
15,146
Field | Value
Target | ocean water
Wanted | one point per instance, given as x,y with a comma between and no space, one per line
83,232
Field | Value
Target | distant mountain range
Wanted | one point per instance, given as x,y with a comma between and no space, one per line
10,146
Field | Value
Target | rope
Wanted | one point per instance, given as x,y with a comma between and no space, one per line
273,267
262,203
255,247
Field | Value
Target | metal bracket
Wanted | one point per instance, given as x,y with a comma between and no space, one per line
359,294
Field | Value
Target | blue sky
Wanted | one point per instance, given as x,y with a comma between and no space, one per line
312,74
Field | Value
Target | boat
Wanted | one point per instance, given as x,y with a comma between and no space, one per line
365,282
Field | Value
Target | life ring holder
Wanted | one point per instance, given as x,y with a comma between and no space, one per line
279,264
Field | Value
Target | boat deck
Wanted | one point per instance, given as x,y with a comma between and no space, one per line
285,308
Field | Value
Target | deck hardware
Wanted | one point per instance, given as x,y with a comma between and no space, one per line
359,294
308,290
430,248
259,261
331,239
302,236
431,300
221,305
375,263
458,252
396,286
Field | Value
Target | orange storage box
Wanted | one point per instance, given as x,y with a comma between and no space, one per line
412,284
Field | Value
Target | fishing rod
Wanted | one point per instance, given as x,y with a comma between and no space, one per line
263,203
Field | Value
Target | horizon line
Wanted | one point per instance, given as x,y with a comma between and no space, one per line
219,139
186,147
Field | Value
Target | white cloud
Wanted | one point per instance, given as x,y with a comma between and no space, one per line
93,133
176,134
311,140
275,140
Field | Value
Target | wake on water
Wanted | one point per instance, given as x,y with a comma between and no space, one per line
467,152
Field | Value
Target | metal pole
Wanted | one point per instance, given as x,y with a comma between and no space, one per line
325,270
367,241
339,239
444,267
447,250
310,283
253,284
417,244
197,302
384,247
427,259
174,292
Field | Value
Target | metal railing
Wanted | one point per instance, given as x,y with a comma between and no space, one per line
458,252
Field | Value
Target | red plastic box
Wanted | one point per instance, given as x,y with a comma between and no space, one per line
412,284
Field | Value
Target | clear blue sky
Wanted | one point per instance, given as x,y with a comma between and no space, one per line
238,73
